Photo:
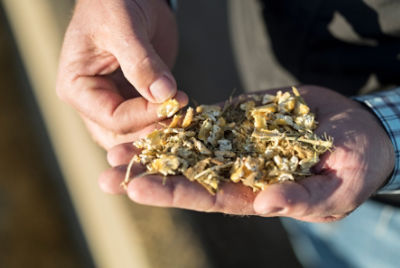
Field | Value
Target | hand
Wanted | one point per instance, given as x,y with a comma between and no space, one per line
115,66
361,161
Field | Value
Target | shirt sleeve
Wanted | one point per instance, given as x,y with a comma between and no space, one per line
173,4
386,106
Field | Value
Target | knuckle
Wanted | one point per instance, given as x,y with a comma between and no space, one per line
145,62
66,86
143,68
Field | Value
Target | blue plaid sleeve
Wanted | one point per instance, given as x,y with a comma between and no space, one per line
386,106
173,4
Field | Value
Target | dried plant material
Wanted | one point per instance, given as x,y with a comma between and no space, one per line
256,141
176,121
188,117
168,108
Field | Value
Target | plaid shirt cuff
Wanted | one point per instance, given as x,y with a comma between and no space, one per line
386,106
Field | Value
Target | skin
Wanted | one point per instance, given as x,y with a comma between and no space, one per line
115,58
117,55
362,160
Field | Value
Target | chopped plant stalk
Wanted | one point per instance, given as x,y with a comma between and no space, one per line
257,140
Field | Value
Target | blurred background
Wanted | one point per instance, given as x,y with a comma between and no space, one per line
52,213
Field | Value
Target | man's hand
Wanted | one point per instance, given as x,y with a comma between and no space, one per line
363,158
115,66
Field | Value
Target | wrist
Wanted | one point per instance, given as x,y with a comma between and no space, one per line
385,106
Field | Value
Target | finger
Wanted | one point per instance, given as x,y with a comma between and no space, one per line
121,154
98,99
104,137
177,191
109,139
144,68
109,183
111,179
310,199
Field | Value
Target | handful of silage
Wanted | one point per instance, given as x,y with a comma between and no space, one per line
257,140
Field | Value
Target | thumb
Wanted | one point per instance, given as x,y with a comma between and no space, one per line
145,70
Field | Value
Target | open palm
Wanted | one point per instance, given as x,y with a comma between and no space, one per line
361,161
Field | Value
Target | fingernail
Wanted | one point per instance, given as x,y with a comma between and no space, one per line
163,88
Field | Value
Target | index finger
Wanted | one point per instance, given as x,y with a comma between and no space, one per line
98,99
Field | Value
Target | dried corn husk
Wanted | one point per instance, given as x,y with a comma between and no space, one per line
257,141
